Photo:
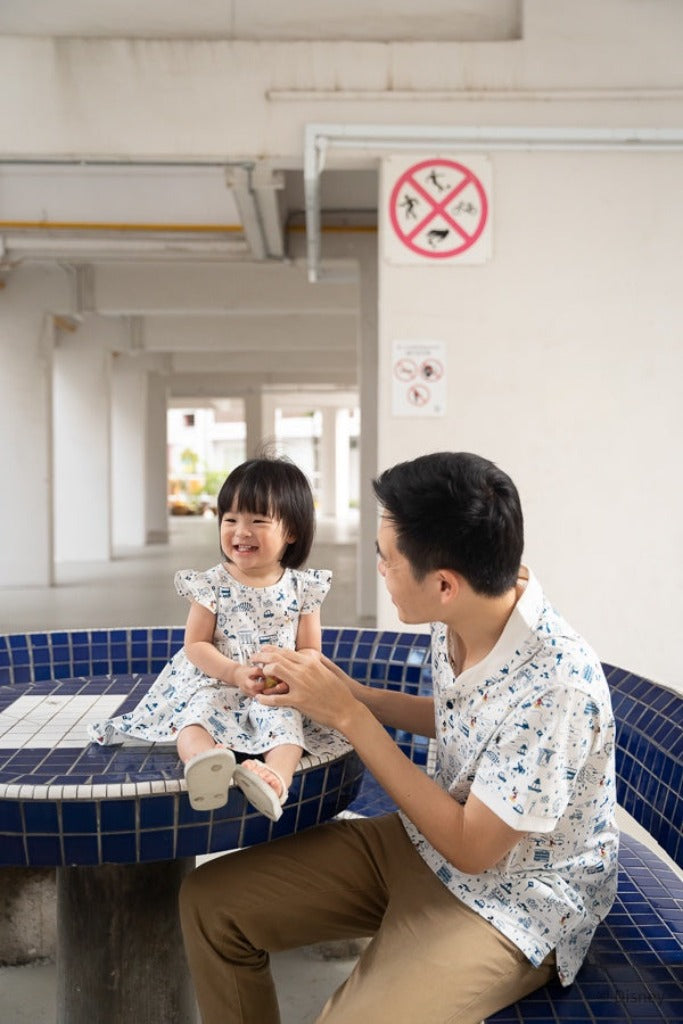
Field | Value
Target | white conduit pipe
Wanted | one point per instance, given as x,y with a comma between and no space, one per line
377,137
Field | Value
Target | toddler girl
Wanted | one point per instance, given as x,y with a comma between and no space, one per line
203,699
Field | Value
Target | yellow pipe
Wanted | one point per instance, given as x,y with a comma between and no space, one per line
59,225
63,225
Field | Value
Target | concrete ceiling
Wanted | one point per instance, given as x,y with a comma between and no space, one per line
224,225
371,20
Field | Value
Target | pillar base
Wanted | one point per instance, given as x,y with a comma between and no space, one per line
119,945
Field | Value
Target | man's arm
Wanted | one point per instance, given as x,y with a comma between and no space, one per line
469,836
398,710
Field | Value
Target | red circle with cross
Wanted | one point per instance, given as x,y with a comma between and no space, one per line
451,201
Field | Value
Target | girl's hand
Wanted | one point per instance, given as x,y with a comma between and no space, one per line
307,684
249,679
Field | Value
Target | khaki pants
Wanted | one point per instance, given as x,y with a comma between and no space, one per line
431,961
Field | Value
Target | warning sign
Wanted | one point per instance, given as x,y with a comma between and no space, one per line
438,210
419,378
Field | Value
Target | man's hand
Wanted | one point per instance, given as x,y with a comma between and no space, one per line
307,684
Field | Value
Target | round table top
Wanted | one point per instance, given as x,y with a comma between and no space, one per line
65,800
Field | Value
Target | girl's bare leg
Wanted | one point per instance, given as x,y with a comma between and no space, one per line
193,740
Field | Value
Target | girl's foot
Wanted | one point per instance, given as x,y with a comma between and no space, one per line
208,777
263,787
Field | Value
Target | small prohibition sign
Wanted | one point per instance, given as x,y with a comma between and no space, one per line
443,208
418,394
405,369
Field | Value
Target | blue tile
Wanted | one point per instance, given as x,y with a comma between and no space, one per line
10,818
118,815
157,811
12,852
41,816
44,851
79,816
227,835
80,850
314,782
309,813
192,842
119,848
157,844
256,830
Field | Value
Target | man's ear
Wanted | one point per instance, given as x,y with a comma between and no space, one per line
449,585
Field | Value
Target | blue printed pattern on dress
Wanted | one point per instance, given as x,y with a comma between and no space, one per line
246,618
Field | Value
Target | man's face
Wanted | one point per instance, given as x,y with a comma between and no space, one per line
412,599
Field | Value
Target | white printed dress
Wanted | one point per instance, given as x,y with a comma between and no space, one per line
246,618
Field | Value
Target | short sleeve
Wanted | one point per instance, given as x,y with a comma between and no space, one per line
316,584
196,586
526,774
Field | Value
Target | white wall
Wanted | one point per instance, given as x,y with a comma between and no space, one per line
565,364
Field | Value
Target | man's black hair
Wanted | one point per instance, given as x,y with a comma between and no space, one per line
273,487
454,510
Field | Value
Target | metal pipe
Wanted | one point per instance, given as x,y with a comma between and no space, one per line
319,137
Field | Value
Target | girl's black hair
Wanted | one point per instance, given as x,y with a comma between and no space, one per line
454,510
273,487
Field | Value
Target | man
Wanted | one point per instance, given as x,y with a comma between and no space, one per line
492,877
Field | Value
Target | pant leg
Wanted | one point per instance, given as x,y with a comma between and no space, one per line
325,883
433,959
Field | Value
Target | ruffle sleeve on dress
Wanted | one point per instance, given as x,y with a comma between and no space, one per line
196,586
316,584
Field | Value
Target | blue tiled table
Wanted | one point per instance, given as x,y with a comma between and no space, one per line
116,821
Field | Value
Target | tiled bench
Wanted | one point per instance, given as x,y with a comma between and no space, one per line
116,821
634,970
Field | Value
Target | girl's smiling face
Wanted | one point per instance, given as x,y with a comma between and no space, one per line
254,544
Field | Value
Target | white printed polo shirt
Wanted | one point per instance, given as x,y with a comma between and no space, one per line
530,732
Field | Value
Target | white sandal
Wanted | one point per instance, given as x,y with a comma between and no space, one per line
208,778
259,793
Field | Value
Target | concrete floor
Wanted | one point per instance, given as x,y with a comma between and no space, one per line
136,589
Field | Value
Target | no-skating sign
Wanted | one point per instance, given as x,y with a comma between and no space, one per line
439,210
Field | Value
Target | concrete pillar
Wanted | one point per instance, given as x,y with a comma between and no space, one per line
128,450
28,911
335,463
82,457
26,432
259,416
368,346
361,246
156,460
26,480
119,945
